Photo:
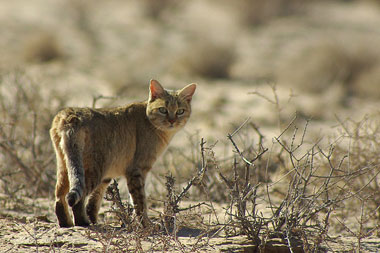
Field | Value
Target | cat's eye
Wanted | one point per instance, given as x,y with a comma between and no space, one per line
163,110
180,111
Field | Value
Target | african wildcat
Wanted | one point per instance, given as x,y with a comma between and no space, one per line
95,145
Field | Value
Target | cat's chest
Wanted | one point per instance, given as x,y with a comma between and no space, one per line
148,152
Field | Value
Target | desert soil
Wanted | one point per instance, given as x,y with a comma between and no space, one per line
31,226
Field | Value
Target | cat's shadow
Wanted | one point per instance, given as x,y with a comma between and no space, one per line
181,232
193,232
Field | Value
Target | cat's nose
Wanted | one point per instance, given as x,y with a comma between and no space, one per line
171,121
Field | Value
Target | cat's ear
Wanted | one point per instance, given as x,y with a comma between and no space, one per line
188,92
155,90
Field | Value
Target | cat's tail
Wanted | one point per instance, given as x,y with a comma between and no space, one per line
73,156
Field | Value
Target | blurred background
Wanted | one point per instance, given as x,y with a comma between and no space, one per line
326,48
260,59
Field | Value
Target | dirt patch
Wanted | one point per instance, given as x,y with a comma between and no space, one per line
24,232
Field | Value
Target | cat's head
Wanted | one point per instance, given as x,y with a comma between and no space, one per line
169,110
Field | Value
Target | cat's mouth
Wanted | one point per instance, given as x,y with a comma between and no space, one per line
172,125
167,126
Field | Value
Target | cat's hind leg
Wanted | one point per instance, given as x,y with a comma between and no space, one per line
61,207
61,189
95,201
80,216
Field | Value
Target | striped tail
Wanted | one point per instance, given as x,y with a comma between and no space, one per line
74,167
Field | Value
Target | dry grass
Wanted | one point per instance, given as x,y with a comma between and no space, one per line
27,157
361,144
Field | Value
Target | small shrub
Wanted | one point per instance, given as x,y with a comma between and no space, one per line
256,12
156,8
367,83
318,67
42,47
209,59
364,139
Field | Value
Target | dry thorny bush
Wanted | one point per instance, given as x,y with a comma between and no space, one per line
26,154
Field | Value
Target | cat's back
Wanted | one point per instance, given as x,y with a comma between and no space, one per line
77,117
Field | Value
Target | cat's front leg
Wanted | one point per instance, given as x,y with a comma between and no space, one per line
136,187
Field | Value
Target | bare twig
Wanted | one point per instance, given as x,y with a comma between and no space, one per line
96,98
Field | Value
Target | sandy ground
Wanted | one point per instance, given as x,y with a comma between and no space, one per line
35,230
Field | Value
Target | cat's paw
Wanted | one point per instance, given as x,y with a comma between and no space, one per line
151,225
82,223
